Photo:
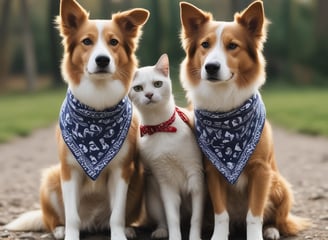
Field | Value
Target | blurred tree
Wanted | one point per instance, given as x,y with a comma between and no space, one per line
222,10
157,30
321,19
55,49
151,43
239,5
173,48
28,44
297,40
127,4
280,40
5,54
106,5
288,47
321,37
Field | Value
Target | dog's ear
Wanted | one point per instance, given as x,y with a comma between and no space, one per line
192,18
130,21
253,19
72,15
163,65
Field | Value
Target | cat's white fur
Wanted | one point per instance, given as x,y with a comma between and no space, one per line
176,180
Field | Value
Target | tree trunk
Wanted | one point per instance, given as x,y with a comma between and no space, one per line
28,45
156,15
321,19
55,49
239,5
5,54
321,37
106,9
127,4
173,47
289,36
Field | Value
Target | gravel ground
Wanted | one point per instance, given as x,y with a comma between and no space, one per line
303,160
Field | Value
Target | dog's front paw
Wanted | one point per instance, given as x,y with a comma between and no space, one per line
118,234
221,226
72,235
160,233
194,238
194,234
271,233
254,232
59,232
254,227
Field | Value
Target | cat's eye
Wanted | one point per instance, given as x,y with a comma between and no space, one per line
158,84
138,88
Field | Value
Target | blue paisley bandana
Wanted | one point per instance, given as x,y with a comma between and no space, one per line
228,139
94,137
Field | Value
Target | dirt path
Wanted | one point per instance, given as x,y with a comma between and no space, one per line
303,160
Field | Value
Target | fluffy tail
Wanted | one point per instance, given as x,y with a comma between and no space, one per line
293,225
30,221
282,197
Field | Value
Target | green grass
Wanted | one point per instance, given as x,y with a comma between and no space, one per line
301,110
22,113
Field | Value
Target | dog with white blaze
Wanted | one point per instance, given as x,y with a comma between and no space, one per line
98,184
222,73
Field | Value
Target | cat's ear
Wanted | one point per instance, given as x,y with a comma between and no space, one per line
163,65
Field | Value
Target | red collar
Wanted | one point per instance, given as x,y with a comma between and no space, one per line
164,126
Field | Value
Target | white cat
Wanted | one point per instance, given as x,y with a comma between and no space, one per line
169,150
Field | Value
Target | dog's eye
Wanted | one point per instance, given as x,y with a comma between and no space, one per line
232,46
138,88
113,42
205,44
158,84
87,41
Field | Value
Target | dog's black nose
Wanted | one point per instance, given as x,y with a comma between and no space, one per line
212,68
102,61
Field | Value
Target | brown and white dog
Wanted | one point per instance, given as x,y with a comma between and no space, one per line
222,73
90,190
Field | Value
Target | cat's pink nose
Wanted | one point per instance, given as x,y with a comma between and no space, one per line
149,95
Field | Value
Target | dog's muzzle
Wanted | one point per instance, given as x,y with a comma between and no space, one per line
212,70
102,63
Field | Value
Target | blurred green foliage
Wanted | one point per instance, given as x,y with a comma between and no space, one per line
22,113
296,49
296,53
301,110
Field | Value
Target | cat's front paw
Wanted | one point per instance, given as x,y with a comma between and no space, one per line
130,232
160,233
194,238
118,234
59,232
70,235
